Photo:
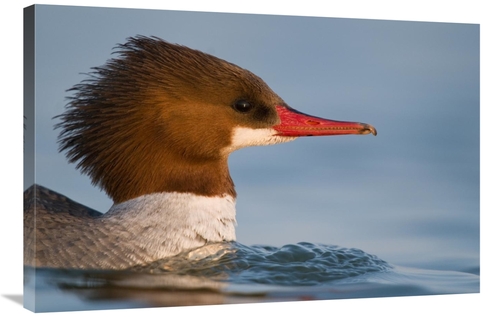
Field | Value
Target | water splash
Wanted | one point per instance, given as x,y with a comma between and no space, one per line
291,265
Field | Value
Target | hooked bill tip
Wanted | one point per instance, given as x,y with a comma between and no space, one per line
369,129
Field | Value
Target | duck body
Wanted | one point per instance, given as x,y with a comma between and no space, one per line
70,235
154,128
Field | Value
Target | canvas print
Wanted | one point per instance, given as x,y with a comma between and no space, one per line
143,128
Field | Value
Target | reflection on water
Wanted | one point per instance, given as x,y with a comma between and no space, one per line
233,273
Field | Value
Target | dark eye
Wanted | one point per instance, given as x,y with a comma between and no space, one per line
242,106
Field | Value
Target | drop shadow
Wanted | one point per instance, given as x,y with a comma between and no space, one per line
16,298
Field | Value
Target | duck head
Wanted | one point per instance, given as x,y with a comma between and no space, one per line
162,117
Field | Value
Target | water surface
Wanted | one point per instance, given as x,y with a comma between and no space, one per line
224,273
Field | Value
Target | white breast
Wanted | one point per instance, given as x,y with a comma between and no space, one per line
168,223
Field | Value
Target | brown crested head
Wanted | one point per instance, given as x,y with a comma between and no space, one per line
160,117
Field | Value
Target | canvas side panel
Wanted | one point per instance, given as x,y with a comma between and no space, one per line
29,149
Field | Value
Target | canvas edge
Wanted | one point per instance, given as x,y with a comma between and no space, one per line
28,129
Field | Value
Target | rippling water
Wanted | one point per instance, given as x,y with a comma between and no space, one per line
235,273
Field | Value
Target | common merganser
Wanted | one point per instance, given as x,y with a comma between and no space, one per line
154,127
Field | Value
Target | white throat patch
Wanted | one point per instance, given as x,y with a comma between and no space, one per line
245,137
